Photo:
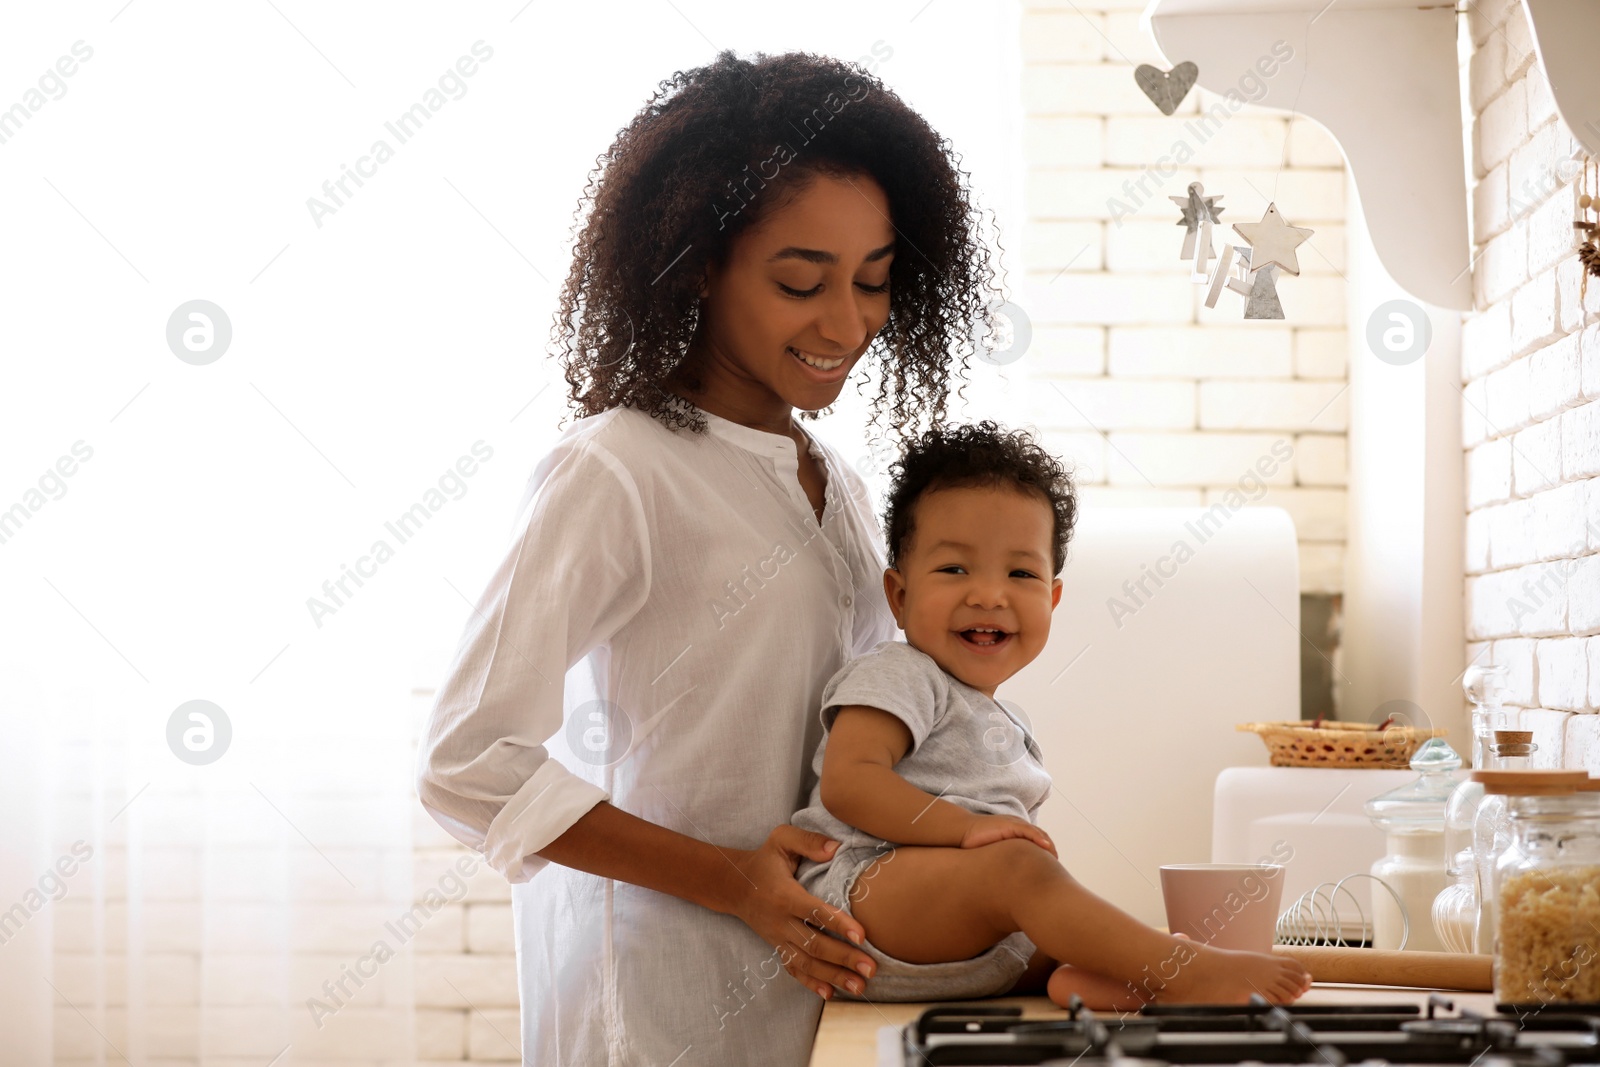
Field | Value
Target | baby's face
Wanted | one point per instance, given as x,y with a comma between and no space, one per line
977,558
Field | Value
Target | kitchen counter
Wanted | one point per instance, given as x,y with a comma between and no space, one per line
848,1033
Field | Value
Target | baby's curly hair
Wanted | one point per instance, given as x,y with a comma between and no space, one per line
665,203
977,455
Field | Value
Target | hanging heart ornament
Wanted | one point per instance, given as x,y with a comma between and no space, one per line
1166,89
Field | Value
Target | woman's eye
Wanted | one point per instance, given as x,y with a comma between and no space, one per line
814,290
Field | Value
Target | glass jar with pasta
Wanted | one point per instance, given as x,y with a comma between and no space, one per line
1546,889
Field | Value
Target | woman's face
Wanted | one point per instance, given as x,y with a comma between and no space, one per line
811,278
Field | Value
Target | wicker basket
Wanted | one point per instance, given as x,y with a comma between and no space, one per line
1350,745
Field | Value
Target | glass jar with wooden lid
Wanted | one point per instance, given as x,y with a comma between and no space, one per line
1546,888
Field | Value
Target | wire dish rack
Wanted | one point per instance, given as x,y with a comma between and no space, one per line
1326,913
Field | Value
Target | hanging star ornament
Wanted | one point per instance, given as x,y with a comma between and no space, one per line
1199,211
1273,240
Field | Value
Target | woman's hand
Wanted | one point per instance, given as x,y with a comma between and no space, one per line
767,898
987,829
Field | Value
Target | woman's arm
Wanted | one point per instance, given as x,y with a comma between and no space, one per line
577,572
860,786
611,843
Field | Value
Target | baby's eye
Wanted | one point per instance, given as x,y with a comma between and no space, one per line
952,567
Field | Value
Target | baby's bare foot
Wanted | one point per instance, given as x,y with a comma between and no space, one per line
1207,975
1098,992
1192,974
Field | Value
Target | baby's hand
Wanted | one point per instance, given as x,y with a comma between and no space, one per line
987,829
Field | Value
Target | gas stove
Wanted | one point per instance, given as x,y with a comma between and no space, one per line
1326,1035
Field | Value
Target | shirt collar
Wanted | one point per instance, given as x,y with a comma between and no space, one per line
752,439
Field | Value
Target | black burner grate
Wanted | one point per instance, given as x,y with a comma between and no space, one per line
1328,1035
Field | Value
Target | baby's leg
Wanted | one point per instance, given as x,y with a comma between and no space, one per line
932,905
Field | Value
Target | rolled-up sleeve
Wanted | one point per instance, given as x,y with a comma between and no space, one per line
577,570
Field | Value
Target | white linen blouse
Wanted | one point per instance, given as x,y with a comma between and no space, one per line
658,635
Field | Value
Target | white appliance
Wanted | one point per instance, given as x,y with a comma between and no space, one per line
1311,819
1174,625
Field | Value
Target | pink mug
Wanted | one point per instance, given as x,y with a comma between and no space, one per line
1226,905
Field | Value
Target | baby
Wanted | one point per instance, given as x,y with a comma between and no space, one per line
931,787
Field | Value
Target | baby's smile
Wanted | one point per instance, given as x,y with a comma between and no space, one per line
985,640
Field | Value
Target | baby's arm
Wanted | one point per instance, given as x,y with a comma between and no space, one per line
860,788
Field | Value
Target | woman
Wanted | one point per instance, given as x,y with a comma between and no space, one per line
691,565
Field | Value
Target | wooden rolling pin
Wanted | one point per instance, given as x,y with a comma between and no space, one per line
1370,966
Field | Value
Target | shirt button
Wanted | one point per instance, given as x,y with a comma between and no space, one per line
845,601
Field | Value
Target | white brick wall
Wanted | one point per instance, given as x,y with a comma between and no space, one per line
1159,399
1531,374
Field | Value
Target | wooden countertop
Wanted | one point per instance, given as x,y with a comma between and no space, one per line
848,1033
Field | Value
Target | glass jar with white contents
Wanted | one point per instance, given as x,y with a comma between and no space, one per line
1546,889
1413,865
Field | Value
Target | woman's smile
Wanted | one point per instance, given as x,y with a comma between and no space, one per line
821,370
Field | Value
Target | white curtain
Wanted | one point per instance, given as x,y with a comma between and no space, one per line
260,910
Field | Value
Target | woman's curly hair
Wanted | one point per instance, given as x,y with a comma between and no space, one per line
977,455
665,203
